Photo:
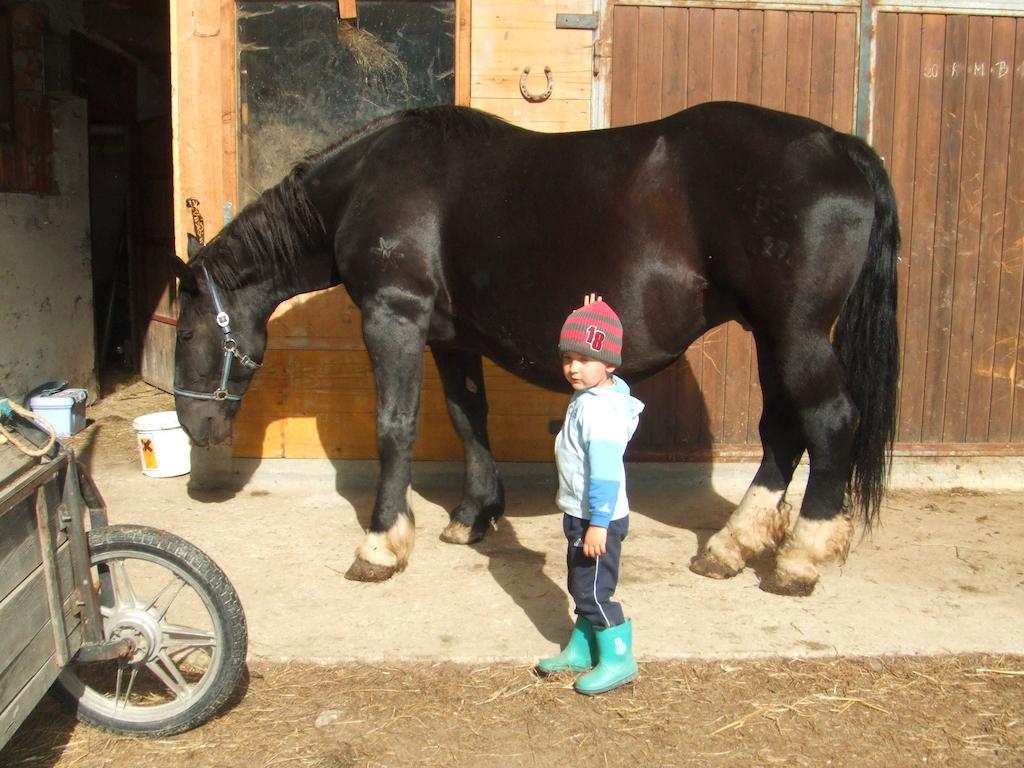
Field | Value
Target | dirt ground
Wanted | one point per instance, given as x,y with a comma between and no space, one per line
910,654
884,712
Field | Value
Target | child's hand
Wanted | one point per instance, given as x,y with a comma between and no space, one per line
591,298
594,541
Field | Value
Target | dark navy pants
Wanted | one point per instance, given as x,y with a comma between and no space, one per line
592,580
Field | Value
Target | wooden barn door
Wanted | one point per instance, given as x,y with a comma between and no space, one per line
948,115
667,58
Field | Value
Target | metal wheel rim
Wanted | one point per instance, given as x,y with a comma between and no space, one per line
127,711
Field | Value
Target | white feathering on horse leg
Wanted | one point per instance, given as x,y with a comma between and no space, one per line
390,549
460,533
810,544
757,525
402,539
760,521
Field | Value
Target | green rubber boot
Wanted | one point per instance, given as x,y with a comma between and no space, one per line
579,653
616,665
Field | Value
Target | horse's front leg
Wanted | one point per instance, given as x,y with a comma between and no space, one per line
483,496
395,341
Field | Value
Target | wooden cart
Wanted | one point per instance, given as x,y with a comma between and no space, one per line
88,606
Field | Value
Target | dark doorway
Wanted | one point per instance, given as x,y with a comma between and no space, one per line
122,65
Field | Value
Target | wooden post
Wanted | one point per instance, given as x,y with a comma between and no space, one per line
346,9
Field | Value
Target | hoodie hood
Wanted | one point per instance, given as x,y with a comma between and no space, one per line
618,394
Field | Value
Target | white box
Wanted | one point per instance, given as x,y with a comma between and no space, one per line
64,409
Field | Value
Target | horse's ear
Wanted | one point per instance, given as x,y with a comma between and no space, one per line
194,246
185,275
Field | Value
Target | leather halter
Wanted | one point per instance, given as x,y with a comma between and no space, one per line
231,353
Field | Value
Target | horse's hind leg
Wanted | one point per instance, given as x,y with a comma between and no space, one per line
395,342
758,525
483,498
812,377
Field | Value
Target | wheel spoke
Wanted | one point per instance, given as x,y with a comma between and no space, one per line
119,701
177,636
161,602
168,673
124,594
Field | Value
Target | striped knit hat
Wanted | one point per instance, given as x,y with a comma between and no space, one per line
594,331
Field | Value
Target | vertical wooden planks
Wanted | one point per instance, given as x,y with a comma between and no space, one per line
776,46
725,62
946,215
675,53
968,228
919,237
228,111
798,63
625,54
749,56
895,108
844,84
649,64
883,94
823,62
990,247
1007,417
954,90
701,56
900,137
463,51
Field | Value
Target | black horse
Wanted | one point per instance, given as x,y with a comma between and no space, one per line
451,228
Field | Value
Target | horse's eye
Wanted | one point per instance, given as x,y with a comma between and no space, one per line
185,335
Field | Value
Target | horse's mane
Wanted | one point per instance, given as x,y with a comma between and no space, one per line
283,223
272,230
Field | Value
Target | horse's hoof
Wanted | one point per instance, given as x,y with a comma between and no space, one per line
788,585
706,564
460,533
360,570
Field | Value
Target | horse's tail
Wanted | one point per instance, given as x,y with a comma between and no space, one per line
867,343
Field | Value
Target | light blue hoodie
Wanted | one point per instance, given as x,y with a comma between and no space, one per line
588,452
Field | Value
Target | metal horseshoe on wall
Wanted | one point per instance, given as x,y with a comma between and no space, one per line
535,98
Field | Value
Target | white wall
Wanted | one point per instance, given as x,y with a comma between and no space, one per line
46,306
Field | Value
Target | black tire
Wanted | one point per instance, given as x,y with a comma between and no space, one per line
149,579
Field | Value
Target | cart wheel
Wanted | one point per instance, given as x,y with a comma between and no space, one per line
187,625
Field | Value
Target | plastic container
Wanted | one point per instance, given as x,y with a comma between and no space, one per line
164,448
64,409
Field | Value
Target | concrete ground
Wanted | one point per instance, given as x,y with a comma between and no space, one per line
943,573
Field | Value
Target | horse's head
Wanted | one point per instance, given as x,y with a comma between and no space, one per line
220,344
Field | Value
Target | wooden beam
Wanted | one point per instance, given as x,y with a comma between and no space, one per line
463,51
346,9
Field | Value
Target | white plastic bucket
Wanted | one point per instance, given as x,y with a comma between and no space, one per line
164,448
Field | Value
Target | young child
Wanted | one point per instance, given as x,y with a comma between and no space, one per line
601,419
